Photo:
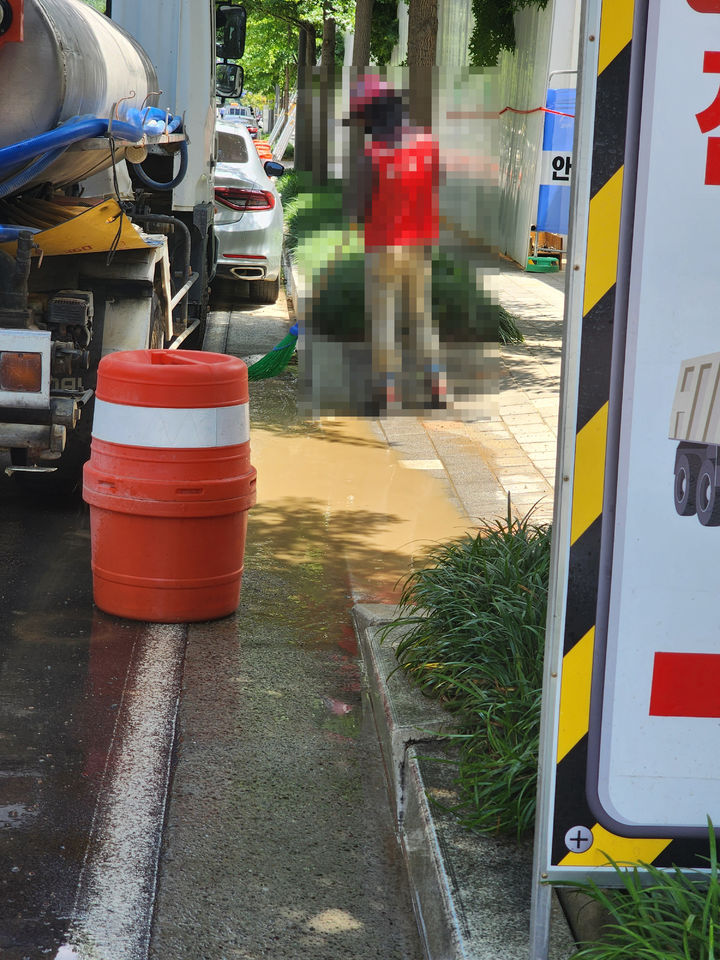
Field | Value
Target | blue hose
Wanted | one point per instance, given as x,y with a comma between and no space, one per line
171,184
47,147
8,234
21,179
79,128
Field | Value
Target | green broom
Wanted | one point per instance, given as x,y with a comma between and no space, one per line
277,360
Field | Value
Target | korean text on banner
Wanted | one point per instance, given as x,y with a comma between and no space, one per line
556,163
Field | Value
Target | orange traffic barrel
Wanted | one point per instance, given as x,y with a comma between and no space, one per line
169,484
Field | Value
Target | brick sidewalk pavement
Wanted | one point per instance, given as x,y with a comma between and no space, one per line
514,453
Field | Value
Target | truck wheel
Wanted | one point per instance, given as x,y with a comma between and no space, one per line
707,500
265,291
686,471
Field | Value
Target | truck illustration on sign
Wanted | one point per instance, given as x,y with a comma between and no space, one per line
695,424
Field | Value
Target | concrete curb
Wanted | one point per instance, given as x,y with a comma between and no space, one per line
471,893
403,717
433,893
288,269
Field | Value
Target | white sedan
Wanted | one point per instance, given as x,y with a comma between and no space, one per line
248,213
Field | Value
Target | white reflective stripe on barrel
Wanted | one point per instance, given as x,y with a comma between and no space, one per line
171,427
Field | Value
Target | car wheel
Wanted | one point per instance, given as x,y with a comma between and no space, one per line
265,291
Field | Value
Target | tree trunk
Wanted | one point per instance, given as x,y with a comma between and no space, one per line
303,109
327,74
422,51
305,104
311,48
327,57
286,90
361,41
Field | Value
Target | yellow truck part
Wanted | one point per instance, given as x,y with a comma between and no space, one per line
95,230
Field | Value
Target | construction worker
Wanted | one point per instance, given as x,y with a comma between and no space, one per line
397,203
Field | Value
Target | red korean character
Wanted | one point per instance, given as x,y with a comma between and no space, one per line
709,118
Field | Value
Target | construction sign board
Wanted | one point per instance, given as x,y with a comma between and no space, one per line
631,712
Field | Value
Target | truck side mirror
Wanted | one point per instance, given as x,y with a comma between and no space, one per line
230,21
229,79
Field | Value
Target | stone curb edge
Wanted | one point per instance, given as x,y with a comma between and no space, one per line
448,922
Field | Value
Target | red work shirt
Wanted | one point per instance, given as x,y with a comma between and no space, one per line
404,208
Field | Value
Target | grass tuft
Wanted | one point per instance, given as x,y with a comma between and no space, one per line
508,330
292,183
657,914
473,635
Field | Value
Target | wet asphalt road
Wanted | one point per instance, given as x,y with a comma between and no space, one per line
46,793
87,713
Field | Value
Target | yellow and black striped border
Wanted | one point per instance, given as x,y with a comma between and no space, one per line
601,267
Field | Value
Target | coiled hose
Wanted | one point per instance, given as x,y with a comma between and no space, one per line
171,184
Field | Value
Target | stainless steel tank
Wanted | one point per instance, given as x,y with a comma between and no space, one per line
73,61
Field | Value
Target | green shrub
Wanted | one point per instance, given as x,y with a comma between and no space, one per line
311,214
289,185
464,313
338,269
338,310
314,225
476,619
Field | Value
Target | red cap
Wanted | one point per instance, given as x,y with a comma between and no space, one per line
367,89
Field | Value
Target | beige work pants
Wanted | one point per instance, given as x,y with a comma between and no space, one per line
398,293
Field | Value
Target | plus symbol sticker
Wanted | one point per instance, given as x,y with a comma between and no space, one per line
578,839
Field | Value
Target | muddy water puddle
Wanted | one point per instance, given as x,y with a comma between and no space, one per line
336,504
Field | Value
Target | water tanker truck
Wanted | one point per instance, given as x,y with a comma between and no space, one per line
107,152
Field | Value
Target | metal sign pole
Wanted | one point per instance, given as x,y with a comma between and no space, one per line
582,157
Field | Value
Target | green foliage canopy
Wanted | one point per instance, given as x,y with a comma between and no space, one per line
384,30
271,44
495,29
272,30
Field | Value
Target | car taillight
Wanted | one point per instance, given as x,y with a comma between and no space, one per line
20,372
239,199
252,129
